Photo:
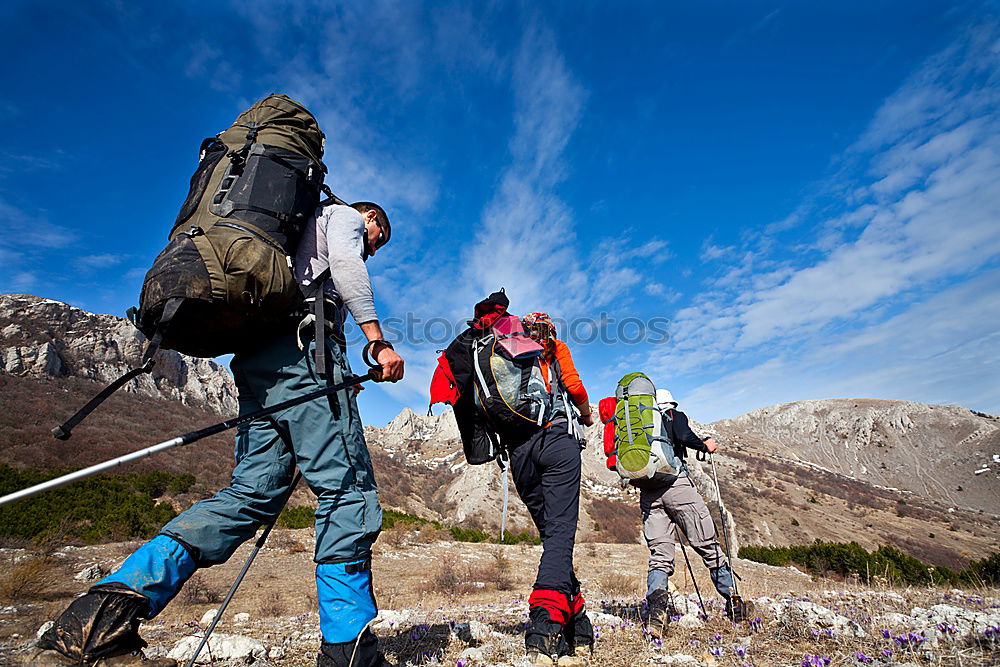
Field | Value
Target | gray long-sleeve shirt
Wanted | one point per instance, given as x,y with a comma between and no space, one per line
334,239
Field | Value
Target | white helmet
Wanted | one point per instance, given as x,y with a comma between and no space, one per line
665,400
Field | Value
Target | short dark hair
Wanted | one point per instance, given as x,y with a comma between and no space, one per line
363,207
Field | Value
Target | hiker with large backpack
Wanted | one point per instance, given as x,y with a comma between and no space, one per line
312,254
646,442
517,396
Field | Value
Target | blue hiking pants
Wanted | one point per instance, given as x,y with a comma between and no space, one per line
325,439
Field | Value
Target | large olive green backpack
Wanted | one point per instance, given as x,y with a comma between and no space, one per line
645,455
227,270
225,278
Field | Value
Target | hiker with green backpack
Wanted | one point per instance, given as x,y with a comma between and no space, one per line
646,440
517,399
256,267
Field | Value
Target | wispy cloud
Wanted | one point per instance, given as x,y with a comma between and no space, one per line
99,261
918,197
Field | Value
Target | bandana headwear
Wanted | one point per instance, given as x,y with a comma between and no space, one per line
539,326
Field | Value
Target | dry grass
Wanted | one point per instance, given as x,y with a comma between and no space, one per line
289,542
618,585
198,592
30,578
450,581
271,605
497,572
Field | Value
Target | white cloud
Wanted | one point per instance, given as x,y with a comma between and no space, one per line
100,261
918,195
942,350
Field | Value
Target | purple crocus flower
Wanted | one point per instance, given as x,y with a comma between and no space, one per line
741,650
717,651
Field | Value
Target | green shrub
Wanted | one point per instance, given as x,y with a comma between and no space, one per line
297,517
96,509
985,571
181,483
391,517
523,536
886,561
460,534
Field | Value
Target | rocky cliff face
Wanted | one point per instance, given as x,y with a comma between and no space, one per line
44,338
934,451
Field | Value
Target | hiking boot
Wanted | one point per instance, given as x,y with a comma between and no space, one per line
96,627
579,637
580,657
738,610
661,608
362,652
53,658
544,640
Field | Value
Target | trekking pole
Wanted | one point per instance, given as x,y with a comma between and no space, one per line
246,566
679,532
374,373
725,526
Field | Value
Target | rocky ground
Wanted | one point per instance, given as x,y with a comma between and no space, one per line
448,603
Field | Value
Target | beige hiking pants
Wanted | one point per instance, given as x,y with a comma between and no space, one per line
679,504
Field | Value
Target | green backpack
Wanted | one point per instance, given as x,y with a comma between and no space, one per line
227,270
645,455
225,279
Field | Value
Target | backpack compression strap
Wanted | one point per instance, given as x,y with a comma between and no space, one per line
64,431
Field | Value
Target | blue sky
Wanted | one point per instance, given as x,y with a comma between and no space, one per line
808,192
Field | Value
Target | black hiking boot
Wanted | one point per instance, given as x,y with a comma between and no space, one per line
738,609
661,609
579,638
545,639
99,628
362,652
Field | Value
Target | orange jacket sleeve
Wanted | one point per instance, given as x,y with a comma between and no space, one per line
571,378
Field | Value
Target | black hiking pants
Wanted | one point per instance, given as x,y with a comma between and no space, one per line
546,472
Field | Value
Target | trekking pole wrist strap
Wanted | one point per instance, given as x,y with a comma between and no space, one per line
367,354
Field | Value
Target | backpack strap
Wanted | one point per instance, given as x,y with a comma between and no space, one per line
315,291
170,308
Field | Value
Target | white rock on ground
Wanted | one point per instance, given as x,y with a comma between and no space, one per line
208,617
472,655
689,621
241,618
799,614
676,659
390,619
473,631
598,618
965,621
220,647
89,574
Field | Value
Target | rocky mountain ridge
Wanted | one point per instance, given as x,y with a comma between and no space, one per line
44,338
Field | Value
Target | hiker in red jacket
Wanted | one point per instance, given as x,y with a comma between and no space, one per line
543,448
546,471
